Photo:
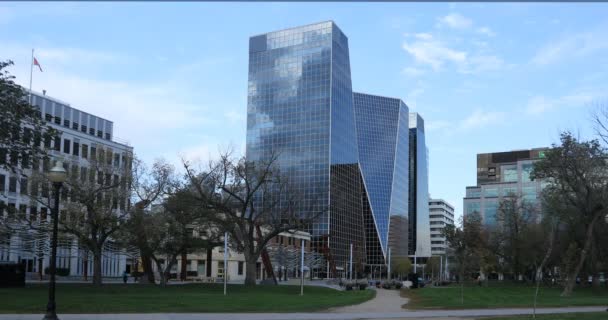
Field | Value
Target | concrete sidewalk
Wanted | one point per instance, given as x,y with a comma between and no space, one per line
451,314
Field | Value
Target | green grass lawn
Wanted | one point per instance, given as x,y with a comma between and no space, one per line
569,316
118,298
501,297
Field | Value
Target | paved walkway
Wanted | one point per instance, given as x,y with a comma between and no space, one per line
385,301
436,314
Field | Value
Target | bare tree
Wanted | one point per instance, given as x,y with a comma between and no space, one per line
252,201
95,203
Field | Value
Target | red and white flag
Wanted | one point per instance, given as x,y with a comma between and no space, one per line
37,64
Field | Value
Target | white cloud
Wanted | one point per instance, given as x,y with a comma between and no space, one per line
480,118
573,45
157,116
486,31
423,36
456,21
433,52
540,104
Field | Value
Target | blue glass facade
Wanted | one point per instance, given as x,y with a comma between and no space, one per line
382,136
500,175
300,108
345,153
419,225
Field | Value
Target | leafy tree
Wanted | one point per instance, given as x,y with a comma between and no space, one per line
577,191
252,201
432,267
178,225
515,218
401,266
22,129
465,244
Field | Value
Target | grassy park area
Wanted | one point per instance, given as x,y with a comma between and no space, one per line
502,297
567,316
118,298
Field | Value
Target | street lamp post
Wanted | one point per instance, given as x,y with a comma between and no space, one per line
57,176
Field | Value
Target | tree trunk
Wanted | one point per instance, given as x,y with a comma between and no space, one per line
209,260
572,276
97,256
40,264
85,268
250,271
596,280
184,270
146,265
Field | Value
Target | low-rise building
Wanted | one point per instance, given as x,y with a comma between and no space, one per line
441,215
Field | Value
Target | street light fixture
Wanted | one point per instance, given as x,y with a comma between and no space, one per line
57,175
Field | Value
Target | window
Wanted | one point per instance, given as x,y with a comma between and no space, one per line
12,184
66,123
48,117
66,146
75,125
490,192
83,174
85,151
92,131
2,182
108,136
58,120
529,193
473,193
509,191
47,142
526,170
83,128
93,153
490,209
22,211
57,144
99,133
43,214
76,150
116,160
241,263
23,186
471,207
220,269
509,173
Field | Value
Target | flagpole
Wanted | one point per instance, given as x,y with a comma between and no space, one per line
31,73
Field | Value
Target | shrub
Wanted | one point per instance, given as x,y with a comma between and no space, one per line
398,285
386,285
362,285
62,272
349,286
378,284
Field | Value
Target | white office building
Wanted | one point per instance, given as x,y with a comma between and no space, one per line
82,135
441,215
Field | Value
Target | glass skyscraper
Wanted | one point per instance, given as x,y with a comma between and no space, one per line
346,154
383,139
419,225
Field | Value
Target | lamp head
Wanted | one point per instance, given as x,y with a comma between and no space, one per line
57,174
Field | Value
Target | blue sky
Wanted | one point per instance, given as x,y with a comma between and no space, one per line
173,76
